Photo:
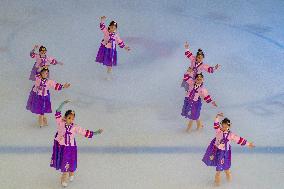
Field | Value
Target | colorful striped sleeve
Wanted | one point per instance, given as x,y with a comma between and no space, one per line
186,77
89,134
32,53
208,68
102,26
189,55
217,123
120,41
58,87
239,140
208,99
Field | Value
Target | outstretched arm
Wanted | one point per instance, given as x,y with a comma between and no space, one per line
241,141
87,133
210,69
189,54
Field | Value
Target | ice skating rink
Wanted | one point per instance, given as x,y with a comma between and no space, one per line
144,144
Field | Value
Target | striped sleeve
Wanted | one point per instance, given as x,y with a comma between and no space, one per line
120,42
239,140
189,55
208,68
102,26
32,54
186,77
89,134
53,62
208,99
58,86
216,123
57,115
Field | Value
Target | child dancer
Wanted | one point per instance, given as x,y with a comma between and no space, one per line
197,66
192,102
218,153
39,98
64,156
42,60
107,54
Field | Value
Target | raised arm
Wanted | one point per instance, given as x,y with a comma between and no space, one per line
32,53
189,54
58,116
102,24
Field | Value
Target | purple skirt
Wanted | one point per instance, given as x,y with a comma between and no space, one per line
33,73
64,157
191,109
107,56
221,159
38,104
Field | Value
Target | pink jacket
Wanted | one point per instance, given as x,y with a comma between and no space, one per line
198,67
42,61
232,137
42,86
110,39
66,133
195,91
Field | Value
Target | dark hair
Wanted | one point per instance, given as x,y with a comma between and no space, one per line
200,52
226,121
68,112
44,69
112,23
200,74
42,48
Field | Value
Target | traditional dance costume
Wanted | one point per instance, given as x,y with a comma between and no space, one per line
107,54
192,102
218,153
64,156
39,98
197,68
40,62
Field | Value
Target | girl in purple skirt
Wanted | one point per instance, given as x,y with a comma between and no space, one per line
39,98
197,66
42,60
107,54
192,102
218,153
64,156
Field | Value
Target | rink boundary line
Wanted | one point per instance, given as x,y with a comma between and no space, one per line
138,150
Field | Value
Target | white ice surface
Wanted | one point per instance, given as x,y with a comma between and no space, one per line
144,144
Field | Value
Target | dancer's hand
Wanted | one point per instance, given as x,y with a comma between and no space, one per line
127,48
217,66
186,45
214,104
220,115
35,47
103,18
66,101
189,70
99,131
66,85
251,145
